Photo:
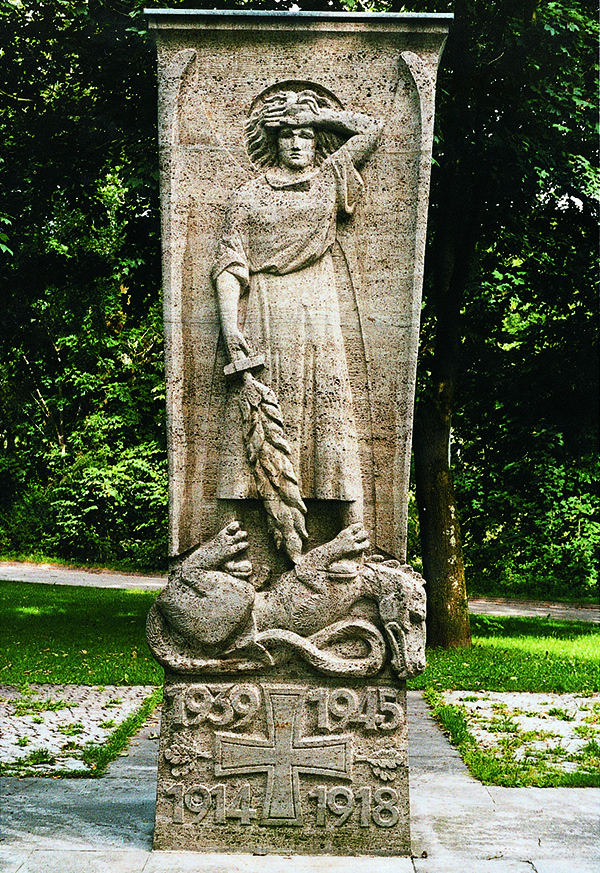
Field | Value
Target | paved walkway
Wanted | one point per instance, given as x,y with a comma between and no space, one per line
54,574
458,825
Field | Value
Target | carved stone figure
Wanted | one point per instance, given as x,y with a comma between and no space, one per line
276,289
210,617
294,157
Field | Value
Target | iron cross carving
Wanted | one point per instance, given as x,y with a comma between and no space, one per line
283,755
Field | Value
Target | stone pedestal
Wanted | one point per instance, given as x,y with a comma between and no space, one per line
312,766
295,154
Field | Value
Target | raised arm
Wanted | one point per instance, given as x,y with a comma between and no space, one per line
363,130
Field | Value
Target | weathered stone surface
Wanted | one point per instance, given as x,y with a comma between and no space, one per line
295,156
213,70
333,610
314,767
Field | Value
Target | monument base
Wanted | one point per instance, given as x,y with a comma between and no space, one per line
284,766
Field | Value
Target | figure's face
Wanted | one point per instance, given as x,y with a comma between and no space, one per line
296,147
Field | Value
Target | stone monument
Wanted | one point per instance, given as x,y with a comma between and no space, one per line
295,154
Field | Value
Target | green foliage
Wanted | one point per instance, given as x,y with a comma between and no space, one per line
513,221
83,471
86,636
519,654
82,467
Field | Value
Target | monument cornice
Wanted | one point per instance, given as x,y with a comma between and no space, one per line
326,22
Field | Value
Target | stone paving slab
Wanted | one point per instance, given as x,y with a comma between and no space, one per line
565,866
176,862
465,865
80,861
106,825
59,720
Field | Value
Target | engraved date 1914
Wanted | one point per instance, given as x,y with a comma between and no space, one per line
336,805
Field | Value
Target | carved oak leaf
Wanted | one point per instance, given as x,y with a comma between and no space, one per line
383,764
183,755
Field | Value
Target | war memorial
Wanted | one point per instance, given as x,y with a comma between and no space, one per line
295,153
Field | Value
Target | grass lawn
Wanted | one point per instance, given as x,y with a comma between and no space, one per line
519,654
67,634
96,636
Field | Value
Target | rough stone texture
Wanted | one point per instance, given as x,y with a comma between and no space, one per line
295,153
310,767
212,69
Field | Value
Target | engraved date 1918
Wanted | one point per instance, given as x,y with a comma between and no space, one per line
336,804
379,806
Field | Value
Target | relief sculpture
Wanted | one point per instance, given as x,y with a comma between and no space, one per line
276,291
295,154
210,616
289,431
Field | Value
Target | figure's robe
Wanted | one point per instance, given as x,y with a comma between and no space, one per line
277,242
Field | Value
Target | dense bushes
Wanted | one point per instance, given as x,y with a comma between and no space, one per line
83,458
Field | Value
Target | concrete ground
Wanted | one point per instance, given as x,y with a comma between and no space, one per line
458,825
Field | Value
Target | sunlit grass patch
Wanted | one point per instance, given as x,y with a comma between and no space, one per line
519,654
75,635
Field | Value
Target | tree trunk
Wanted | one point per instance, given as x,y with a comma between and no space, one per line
449,266
443,568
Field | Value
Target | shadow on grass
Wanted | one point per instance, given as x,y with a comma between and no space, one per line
513,626
69,634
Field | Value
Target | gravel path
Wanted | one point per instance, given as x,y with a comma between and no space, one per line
55,574
558,733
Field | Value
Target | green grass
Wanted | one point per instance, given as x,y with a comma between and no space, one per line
98,757
95,636
519,654
502,766
75,635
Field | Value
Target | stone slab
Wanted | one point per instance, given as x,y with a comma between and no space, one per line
282,767
294,206
77,814
80,861
429,750
11,860
466,865
573,865
214,70
221,863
